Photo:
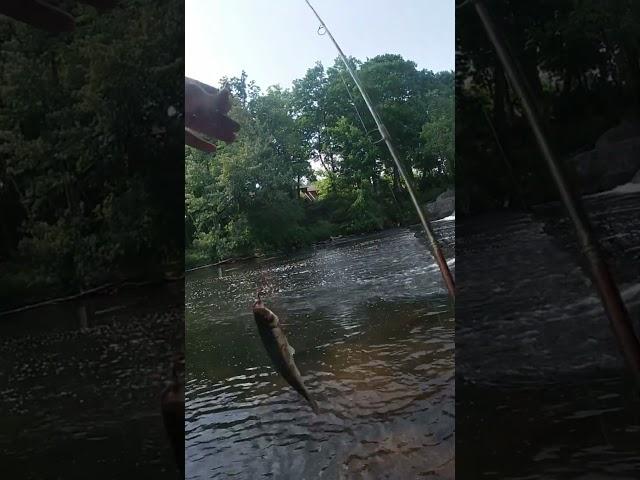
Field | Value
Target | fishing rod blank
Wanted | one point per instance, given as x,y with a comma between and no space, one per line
605,285
437,252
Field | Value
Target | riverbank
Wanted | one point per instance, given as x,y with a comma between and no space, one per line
197,259
192,265
22,287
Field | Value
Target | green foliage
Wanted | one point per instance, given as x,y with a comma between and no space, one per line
438,142
88,171
365,213
244,199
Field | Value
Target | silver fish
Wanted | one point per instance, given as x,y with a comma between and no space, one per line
279,350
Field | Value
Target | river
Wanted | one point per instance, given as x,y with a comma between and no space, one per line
372,327
80,386
542,391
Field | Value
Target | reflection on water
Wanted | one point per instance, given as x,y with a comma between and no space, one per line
373,333
80,385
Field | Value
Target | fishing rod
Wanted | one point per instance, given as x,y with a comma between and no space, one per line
602,278
435,247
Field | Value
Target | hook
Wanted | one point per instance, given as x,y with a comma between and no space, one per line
322,30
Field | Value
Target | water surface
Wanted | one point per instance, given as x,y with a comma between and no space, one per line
80,386
373,332
542,391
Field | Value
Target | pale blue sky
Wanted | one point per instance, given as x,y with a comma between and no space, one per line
275,41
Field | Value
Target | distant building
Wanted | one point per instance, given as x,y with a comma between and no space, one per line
309,192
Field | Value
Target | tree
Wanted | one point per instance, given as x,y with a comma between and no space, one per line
245,198
87,148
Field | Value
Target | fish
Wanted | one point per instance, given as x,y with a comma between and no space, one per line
279,350
172,405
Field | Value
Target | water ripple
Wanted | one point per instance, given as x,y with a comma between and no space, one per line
373,334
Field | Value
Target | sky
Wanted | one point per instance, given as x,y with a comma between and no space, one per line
276,41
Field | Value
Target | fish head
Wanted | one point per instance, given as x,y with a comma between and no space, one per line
178,366
263,315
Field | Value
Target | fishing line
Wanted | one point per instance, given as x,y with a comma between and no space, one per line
322,31
367,132
353,102
262,283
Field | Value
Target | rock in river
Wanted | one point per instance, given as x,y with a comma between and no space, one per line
443,206
613,162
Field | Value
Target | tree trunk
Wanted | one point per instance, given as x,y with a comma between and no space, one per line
633,76
396,178
55,77
424,179
499,119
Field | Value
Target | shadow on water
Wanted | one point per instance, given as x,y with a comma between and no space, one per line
373,332
81,382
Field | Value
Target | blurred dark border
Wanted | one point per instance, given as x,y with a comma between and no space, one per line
91,241
541,388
